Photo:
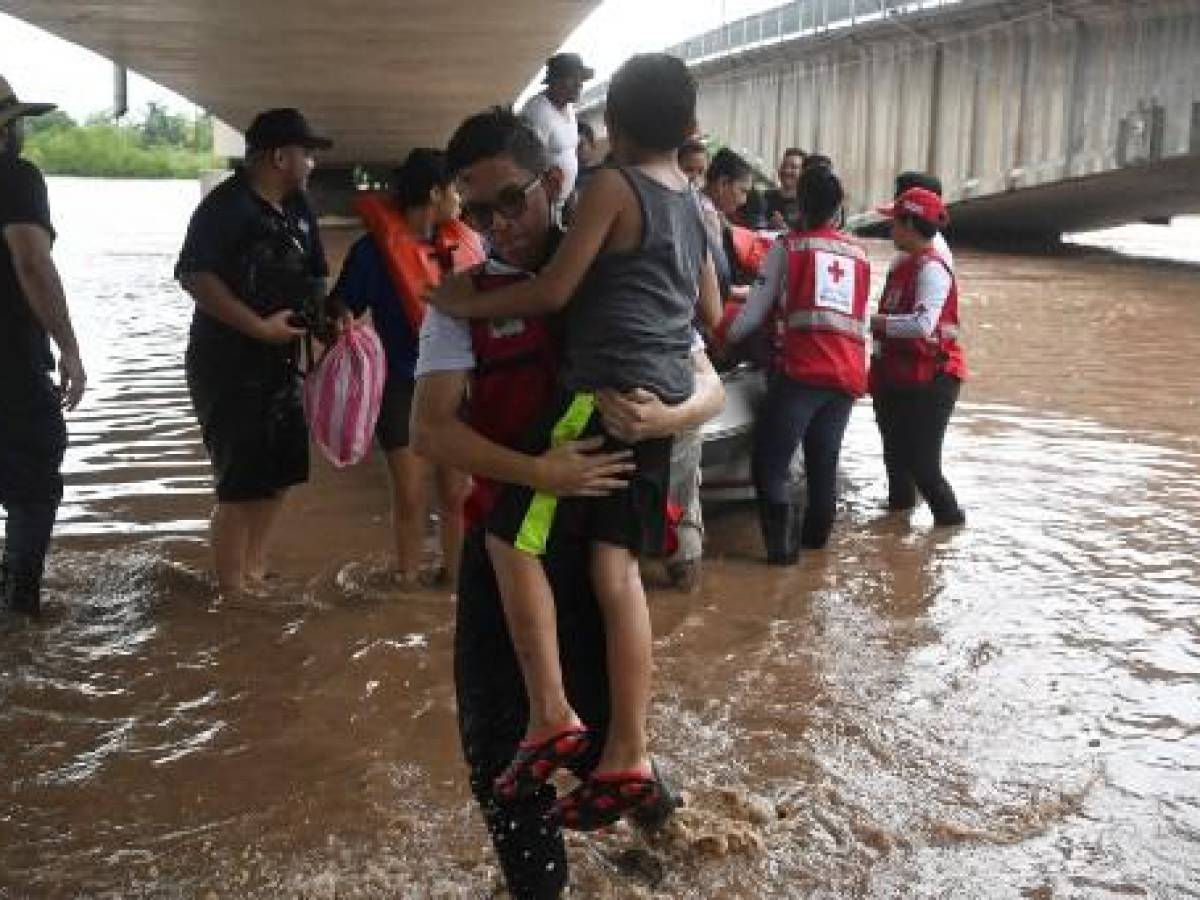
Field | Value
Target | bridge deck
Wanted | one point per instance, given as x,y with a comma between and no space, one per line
379,76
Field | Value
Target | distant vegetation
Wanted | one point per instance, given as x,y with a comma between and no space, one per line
161,145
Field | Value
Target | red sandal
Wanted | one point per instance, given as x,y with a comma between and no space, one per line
538,758
603,799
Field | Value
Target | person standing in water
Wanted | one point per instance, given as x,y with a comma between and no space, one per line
919,365
820,278
629,274
511,368
252,260
33,312
414,236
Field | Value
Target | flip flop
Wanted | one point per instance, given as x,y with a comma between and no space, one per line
654,815
603,799
537,759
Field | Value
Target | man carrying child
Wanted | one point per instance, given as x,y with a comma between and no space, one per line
508,191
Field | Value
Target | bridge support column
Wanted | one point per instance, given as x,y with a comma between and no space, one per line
331,190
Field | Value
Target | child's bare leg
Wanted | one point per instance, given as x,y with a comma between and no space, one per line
618,584
532,624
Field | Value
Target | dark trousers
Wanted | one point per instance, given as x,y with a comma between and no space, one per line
795,415
33,437
493,707
912,423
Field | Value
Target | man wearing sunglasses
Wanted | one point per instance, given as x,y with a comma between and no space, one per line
509,366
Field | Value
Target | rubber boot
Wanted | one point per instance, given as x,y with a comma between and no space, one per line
779,531
22,591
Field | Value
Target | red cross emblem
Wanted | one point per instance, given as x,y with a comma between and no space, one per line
835,269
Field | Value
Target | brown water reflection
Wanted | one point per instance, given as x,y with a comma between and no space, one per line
1008,710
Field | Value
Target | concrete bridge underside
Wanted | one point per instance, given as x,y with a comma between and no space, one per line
379,77
1040,117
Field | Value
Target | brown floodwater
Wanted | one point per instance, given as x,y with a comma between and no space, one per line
1007,710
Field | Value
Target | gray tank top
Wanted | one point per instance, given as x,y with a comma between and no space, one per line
630,322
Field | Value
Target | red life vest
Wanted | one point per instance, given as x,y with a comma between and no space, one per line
750,248
825,314
909,361
515,378
416,266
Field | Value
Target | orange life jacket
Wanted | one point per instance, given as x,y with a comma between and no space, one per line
751,248
417,266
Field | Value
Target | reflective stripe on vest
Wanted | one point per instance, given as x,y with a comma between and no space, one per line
829,245
827,320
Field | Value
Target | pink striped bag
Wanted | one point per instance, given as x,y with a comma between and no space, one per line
343,393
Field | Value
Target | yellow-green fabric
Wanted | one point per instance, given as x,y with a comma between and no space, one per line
535,527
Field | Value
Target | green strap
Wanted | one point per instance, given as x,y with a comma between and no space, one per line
535,529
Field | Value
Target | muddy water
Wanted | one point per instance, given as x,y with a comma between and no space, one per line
1010,710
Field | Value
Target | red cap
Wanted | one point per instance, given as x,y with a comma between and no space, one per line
919,202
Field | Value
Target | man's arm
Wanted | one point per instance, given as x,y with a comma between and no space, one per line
638,414
214,297
29,247
440,435
556,283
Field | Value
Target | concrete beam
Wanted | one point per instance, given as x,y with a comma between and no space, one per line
379,77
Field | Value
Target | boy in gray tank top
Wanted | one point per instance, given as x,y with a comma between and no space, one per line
628,275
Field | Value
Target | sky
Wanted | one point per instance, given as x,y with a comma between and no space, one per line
42,67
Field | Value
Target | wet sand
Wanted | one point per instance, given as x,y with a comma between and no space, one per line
1007,710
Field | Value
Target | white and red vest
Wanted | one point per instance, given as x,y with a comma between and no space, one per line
914,361
825,312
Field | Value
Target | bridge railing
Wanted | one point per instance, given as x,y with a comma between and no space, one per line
797,19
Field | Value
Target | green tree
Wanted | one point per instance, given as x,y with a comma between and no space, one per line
162,128
103,148
55,120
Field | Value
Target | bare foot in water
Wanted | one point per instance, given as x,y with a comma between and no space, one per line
437,579
261,578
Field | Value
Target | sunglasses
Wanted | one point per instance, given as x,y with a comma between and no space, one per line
512,202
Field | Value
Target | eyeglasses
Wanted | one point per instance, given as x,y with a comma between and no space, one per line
512,202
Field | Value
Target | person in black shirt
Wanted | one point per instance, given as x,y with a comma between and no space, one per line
33,311
782,206
253,262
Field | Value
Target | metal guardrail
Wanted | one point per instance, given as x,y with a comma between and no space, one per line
798,19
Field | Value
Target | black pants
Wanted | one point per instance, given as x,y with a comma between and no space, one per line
33,437
493,707
252,424
798,414
912,422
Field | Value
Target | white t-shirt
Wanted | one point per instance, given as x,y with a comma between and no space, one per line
559,132
933,289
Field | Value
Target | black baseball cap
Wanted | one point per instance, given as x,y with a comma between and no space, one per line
283,128
561,65
11,108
